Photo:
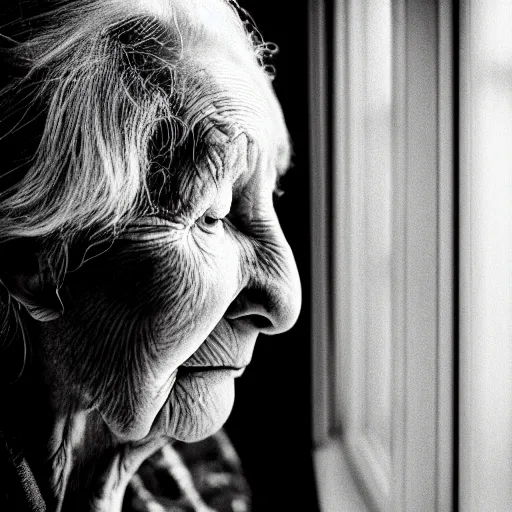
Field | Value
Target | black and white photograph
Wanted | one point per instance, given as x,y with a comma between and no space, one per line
256,256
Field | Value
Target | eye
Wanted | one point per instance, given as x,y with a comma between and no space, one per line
212,218
210,223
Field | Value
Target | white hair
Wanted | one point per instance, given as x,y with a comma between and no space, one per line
104,75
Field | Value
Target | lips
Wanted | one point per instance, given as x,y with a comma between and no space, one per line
189,370
228,347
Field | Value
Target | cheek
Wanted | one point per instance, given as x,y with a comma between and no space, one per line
163,299
140,316
209,280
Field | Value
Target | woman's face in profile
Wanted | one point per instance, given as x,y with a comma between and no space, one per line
158,325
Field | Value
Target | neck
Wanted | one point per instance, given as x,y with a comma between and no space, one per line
63,444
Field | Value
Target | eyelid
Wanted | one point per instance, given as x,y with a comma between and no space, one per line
218,214
221,206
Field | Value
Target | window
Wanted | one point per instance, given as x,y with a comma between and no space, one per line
414,349
384,303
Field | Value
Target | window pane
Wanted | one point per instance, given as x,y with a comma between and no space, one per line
376,267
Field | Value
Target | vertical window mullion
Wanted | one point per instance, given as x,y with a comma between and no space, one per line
320,246
420,175
447,276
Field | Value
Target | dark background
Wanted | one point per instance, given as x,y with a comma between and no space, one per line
271,421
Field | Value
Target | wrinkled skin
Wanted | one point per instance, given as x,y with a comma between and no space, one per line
156,329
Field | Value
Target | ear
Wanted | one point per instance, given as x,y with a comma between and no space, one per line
40,299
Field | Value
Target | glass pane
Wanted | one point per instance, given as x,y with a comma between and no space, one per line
376,239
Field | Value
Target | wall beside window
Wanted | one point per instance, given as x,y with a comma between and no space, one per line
486,256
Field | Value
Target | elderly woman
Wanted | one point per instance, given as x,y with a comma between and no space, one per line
140,251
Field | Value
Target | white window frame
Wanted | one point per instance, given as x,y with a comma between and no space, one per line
422,274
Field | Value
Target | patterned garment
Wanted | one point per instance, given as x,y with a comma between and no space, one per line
197,477
191,477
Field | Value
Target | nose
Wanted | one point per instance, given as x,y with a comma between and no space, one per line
271,299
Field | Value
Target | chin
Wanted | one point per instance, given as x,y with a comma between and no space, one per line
200,403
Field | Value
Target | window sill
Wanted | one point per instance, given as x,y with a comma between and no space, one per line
337,490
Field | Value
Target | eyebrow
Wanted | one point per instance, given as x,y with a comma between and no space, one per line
281,163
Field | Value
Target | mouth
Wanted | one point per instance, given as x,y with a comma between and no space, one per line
189,370
228,348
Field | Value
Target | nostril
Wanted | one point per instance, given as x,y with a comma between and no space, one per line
251,311
248,302
256,316
260,322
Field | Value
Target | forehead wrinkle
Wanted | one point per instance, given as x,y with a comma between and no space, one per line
214,163
240,158
237,151
237,159
237,121
227,158
206,173
232,98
